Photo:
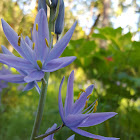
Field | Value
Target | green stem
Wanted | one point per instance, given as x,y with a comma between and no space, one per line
40,106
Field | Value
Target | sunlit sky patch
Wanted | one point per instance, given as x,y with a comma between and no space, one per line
128,20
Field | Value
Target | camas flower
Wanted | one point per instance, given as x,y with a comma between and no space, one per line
74,115
50,137
18,78
38,56
3,71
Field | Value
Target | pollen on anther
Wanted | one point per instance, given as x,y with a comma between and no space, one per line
33,46
20,31
36,27
19,40
79,95
82,90
86,105
46,42
52,33
88,96
95,107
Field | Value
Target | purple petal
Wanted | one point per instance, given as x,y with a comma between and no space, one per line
87,134
50,137
58,63
29,86
97,118
39,36
28,41
37,87
12,78
30,56
62,44
71,137
80,103
69,96
34,75
12,37
61,111
75,120
15,62
5,50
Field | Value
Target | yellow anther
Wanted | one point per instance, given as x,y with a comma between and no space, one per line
82,90
39,63
86,105
95,107
79,95
20,31
46,42
33,46
19,40
52,33
88,96
36,27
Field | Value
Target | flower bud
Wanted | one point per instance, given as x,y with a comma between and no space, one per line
54,3
59,24
42,4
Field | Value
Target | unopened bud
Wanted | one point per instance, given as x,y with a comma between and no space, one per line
42,4
59,24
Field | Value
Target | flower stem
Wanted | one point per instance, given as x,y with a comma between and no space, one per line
40,106
49,133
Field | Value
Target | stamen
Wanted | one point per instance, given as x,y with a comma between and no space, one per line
88,96
95,107
52,33
20,31
82,90
19,40
33,46
36,27
39,63
79,95
86,105
46,42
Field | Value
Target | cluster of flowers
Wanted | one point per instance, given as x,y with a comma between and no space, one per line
38,57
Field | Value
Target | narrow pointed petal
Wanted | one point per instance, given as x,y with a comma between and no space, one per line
15,62
62,44
37,87
97,118
75,120
87,134
34,75
71,137
40,35
29,86
80,103
58,63
12,37
12,78
5,50
50,137
69,95
30,56
28,41
60,104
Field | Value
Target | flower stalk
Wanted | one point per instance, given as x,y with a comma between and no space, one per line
41,105
49,133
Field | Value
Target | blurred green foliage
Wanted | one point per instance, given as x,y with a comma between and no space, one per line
114,70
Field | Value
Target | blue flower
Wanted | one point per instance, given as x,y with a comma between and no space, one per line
74,115
50,137
38,56
3,71
18,78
